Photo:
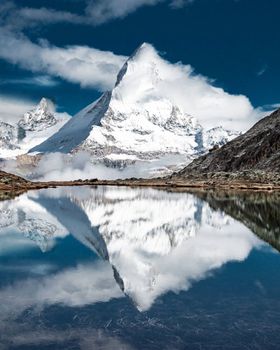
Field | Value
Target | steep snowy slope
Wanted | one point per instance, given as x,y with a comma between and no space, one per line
32,129
134,121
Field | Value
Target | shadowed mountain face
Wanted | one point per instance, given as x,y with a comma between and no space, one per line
258,211
257,149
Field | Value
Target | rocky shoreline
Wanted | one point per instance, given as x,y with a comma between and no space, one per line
13,185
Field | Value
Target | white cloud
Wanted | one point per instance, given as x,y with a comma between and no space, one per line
13,108
27,335
40,80
194,94
81,165
95,12
78,64
213,106
17,18
272,107
177,4
101,11
49,15
262,70
82,285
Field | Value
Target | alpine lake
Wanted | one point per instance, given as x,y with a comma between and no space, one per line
139,268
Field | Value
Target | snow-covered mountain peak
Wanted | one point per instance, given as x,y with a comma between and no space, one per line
145,53
144,48
46,105
40,117
138,80
32,129
138,100
136,121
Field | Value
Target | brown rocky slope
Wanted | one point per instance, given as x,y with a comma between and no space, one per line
253,154
8,181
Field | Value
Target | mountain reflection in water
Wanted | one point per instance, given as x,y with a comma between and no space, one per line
143,244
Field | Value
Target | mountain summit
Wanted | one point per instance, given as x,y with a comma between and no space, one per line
135,120
40,118
32,129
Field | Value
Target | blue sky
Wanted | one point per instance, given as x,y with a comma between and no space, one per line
236,43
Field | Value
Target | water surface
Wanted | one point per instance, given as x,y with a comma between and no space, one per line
122,268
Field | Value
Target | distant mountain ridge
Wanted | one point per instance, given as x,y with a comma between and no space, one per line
33,128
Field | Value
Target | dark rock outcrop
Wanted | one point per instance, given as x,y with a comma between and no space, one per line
256,150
